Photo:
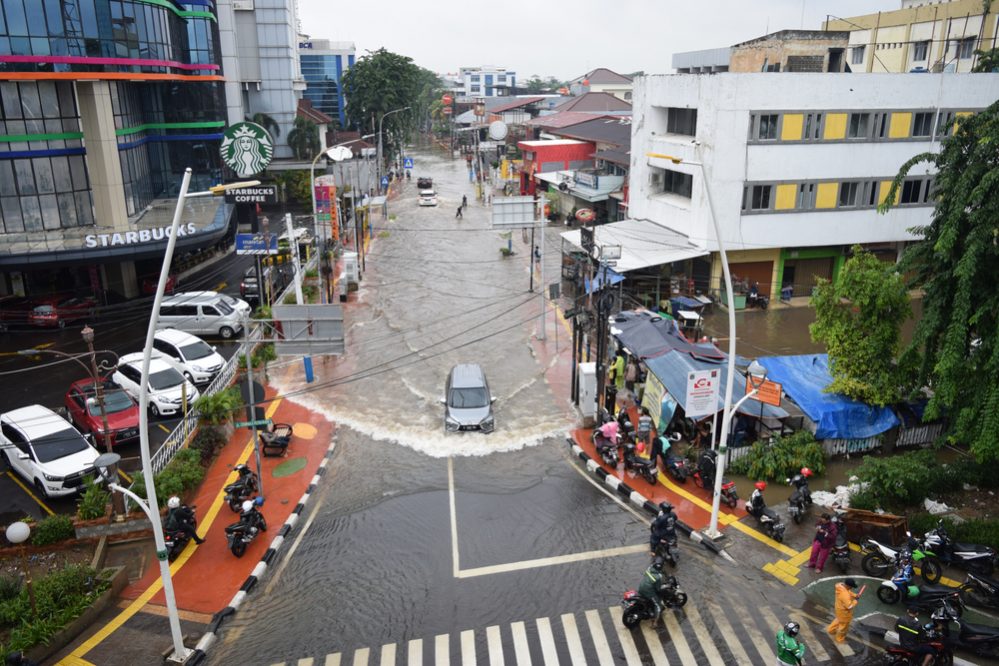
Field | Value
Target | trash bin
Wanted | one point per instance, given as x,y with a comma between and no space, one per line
882,527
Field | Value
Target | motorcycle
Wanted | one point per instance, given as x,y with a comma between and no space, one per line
801,497
925,598
900,656
638,608
668,550
647,468
174,541
981,639
704,477
605,440
968,556
980,591
242,489
841,551
880,559
767,518
241,534
757,301
677,468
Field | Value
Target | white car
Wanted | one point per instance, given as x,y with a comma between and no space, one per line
197,360
167,386
237,304
428,198
46,450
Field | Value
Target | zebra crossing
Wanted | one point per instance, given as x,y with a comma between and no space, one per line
716,633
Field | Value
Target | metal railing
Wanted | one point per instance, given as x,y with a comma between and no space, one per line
921,436
838,447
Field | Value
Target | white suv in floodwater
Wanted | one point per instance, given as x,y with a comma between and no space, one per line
46,450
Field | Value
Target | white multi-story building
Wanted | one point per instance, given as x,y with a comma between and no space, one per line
795,164
485,81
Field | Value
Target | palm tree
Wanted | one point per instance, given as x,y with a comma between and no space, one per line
303,139
265,121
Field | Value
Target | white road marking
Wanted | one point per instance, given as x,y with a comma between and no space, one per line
656,648
576,655
811,640
361,656
551,561
725,628
701,630
520,647
547,640
495,645
679,640
468,648
624,636
415,656
333,659
604,655
442,652
455,569
388,654
306,661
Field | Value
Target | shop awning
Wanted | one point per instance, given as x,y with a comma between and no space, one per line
643,243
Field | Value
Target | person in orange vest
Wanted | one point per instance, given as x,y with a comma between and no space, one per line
846,601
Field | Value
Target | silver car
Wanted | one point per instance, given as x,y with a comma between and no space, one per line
468,404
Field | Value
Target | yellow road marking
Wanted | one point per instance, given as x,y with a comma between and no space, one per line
31,494
75,661
143,599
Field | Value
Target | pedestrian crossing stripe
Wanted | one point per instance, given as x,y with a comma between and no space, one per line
718,633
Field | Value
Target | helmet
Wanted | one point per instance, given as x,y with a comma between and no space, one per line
665,507
806,472
640,447
760,485
173,502
657,564
247,506
791,628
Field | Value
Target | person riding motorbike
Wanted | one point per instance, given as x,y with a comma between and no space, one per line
756,500
790,651
663,526
912,636
706,464
180,518
653,580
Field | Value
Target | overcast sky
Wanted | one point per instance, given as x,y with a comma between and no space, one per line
561,38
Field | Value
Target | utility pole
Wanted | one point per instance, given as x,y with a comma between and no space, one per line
253,400
541,259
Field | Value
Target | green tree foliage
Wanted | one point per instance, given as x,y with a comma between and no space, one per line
267,122
781,458
383,81
304,139
955,346
536,84
988,61
859,319
294,187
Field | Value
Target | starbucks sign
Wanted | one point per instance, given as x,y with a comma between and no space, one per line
246,148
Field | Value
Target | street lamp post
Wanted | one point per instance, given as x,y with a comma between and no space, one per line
180,653
17,533
712,530
380,121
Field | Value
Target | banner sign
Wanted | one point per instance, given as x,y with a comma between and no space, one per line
256,244
702,393
652,397
326,206
254,195
768,392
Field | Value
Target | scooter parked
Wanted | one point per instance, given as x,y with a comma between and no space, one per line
880,560
242,489
677,468
841,551
981,639
704,477
968,556
251,522
647,468
926,598
767,518
980,590
801,497
605,440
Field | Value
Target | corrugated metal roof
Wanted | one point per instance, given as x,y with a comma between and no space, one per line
615,156
604,130
560,120
602,75
594,101
507,103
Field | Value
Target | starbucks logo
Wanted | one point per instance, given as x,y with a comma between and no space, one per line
246,148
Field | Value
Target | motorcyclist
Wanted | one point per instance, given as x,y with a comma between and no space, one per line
250,516
912,636
608,432
653,582
756,501
790,651
706,466
180,518
663,526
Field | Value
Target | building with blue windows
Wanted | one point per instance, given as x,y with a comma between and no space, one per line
103,104
486,81
323,64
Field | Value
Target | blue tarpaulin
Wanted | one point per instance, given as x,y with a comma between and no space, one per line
836,416
605,277
672,369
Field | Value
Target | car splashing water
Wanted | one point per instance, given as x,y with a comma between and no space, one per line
437,292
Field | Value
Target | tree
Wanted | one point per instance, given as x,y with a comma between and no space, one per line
988,61
304,139
955,344
860,320
265,121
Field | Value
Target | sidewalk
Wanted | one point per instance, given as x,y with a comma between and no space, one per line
206,577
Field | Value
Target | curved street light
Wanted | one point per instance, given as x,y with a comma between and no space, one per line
380,121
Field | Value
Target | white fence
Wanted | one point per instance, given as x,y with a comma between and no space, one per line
839,447
921,436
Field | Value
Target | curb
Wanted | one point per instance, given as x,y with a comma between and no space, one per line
206,641
636,497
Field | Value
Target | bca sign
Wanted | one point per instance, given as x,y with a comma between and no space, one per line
702,393
246,148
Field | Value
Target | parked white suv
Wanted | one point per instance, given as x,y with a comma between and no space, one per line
46,450
166,383
196,359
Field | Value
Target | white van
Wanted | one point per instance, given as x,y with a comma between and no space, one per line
200,313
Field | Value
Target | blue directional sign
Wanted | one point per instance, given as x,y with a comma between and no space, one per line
407,162
384,181
256,244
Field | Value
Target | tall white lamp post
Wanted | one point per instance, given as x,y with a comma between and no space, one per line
181,653
380,121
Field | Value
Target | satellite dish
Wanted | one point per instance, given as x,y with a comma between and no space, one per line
497,130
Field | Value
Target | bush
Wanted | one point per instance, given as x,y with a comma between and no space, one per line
60,598
312,273
208,441
972,531
901,480
263,312
10,587
782,457
218,408
183,473
94,501
54,528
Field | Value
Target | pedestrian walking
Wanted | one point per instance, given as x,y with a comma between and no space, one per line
846,601
631,373
790,650
825,539
458,215
464,201
644,426
618,368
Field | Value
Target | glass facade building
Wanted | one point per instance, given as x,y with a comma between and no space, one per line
323,64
